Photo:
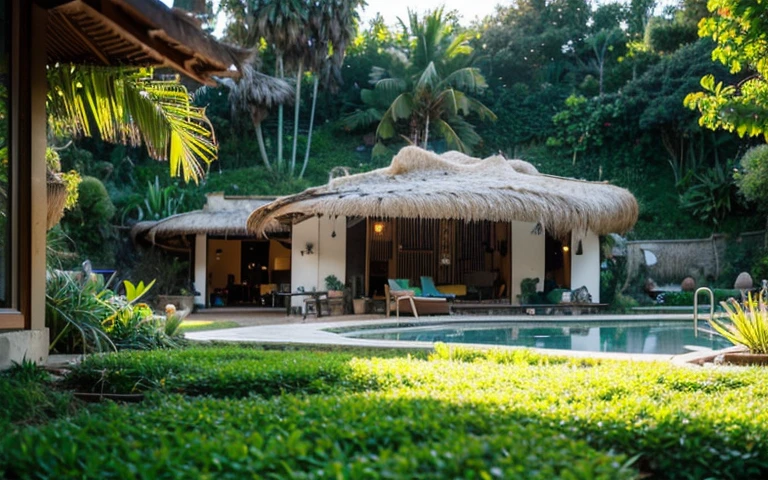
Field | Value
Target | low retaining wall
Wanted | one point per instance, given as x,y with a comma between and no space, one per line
23,344
677,259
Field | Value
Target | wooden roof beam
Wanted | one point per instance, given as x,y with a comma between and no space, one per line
86,41
127,27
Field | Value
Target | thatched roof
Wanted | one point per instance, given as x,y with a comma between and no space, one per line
220,216
136,33
422,184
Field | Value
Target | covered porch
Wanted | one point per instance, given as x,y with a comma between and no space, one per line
479,261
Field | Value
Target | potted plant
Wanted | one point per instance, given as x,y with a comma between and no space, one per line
359,305
747,326
334,286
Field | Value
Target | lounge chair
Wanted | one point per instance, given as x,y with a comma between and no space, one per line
404,301
428,289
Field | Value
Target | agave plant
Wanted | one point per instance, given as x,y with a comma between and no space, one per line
74,311
748,324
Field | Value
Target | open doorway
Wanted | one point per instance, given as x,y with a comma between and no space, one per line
557,265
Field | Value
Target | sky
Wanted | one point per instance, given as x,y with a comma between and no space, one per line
391,9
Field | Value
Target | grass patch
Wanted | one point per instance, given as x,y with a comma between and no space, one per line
188,326
460,413
28,398
220,371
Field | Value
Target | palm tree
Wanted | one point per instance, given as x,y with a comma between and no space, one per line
282,25
257,93
334,26
304,36
128,105
426,90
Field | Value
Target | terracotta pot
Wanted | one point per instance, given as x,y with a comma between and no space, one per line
359,306
335,293
745,358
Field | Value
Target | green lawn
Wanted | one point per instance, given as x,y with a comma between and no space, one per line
204,325
238,411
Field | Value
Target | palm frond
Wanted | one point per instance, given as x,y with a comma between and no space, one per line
466,79
361,119
401,108
390,88
429,78
128,106
466,105
450,135
466,132
459,46
386,128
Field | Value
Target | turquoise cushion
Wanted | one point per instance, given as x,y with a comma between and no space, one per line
406,284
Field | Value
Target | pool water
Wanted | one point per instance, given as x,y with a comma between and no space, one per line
652,337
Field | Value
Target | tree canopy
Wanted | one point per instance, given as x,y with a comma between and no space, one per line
740,31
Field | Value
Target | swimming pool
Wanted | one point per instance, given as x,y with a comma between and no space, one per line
639,336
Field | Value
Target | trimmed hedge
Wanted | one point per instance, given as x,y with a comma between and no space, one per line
352,436
229,371
26,401
462,413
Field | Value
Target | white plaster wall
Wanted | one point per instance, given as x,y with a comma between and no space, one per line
23,345
585,268
333,250
304,267
201,268
329,257
528,256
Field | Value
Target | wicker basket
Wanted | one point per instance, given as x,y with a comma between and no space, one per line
57,199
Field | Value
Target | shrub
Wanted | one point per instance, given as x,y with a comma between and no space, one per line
74,311
28,399
685,299
85,316
220,371
748,326
491,414
89,223
333,437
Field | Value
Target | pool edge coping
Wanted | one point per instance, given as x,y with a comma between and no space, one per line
317,334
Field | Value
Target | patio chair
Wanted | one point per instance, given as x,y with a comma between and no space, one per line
393,292
401,300
428,289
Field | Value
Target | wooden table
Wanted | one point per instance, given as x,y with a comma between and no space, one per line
315,296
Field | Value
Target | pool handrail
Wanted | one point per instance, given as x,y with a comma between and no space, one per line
696,308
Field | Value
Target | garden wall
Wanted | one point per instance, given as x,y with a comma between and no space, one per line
676,259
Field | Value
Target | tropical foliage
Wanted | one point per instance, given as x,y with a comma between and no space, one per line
158,202
131,106
746,325
738,27
86,316
461,413
426,90
301,36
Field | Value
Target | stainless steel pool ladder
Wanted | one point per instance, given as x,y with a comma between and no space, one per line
696,308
